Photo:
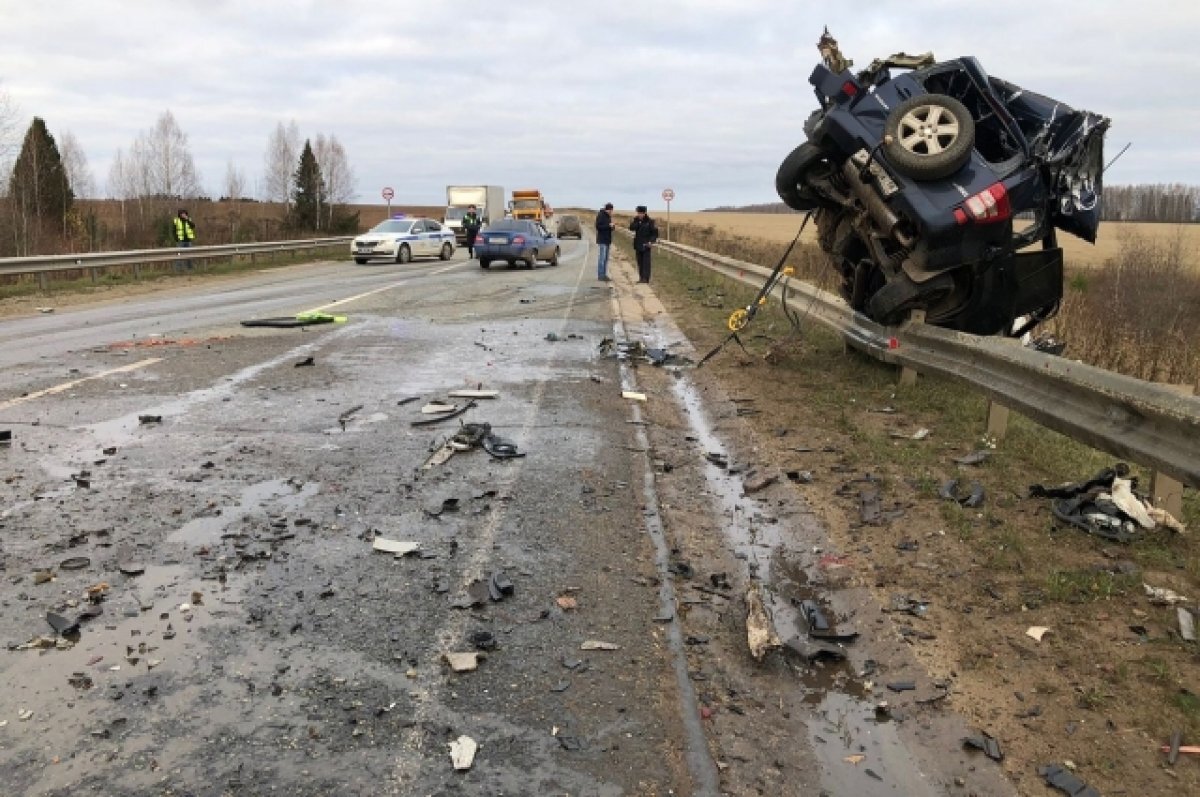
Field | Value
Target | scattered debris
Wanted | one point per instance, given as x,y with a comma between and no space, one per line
562,685
478,593
720,460
306,362
760,631
814,652
950,492
474,394
985,742
24,715
800,476
907,605
974,458
437,416
596,644
438,408
5,438
398,547
857,758
567,603
1059,777
633,395
1103,479
463,662
1187,624
1174,747
1161,596
755,483
920,434
74,563
1036,632
462,752
149,419
500,586
482,640
407,400
1165,519
902,686
61,625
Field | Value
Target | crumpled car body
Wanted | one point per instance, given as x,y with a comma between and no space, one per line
941,188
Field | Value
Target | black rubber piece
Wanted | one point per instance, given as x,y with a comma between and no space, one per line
284,322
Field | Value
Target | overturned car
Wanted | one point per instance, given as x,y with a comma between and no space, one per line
937,187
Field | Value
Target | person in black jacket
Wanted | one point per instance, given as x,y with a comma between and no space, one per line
604,229
645,235
471,225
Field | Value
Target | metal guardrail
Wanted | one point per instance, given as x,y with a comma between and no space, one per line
1141,421
46,264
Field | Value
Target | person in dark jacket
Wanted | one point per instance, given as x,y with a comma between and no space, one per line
645,235
604,229
471,224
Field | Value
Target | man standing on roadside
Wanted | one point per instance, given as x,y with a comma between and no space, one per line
185,234
471,225
604,229
645,235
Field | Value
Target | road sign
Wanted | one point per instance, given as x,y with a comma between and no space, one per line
388,193
668,194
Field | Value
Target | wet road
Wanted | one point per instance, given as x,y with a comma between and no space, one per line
239,634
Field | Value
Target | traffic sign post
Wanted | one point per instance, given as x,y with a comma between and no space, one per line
668,194
388,193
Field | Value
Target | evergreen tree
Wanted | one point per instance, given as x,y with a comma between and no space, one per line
308,191
39,186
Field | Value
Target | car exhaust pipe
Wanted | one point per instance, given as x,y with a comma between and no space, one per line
880,212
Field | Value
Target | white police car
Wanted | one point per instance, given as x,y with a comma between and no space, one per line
401,239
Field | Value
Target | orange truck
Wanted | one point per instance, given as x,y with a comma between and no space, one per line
528,203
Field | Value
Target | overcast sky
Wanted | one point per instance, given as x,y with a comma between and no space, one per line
588,100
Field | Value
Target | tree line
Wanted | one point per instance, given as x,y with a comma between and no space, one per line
50,203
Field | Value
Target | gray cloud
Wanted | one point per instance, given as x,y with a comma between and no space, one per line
590,101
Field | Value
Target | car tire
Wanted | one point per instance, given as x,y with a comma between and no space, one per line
554,257
403,254
932,136
892,303
484,263
790,177
447,252
360,260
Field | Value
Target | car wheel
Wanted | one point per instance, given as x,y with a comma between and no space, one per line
554,257
892,303
932,136
404,254
447,251
789,180
484,262
360,260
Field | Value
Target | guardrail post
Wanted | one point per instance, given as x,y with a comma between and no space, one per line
43,282
93,271
137,271
1167,492
908,375
997,414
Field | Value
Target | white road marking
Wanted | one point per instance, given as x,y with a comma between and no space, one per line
349,299
68,385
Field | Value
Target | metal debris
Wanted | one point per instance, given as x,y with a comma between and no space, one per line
760,631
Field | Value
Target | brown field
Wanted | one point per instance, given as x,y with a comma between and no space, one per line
781,228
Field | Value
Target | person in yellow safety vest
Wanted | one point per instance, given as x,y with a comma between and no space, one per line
185,233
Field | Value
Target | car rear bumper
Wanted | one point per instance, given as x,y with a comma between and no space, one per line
503,252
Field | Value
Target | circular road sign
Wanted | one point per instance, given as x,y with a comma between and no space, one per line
668,194
388,193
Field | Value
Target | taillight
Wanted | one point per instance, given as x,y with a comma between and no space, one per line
518,239
849,89
987,207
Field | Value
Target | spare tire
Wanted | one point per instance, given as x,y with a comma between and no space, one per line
932,136
789,180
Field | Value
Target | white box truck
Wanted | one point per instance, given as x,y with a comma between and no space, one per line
487,199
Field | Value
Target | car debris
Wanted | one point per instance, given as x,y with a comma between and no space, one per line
1187,624
462,752
567,603
1059,777
755,483
438,408
800,476
819,625
950,492
1036,632
148,419
500,586
974,458
443,415
478,593
61,625
75,563
1161,596
400,548
902,686
633,395
6,438
306,362
920,434
299,320
986,743
482,640
474,394
596,644
916,192
760,631
813,652
463,662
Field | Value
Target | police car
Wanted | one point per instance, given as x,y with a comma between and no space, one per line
402,238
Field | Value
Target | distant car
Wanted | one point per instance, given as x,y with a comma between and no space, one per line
569,226
403,239
516,239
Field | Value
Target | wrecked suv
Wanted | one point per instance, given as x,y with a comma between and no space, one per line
937,187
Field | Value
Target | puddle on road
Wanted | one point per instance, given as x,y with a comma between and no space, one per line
844,722
278,493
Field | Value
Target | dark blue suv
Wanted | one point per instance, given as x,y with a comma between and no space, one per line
941,188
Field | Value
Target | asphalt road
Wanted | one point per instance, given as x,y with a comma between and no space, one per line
240,635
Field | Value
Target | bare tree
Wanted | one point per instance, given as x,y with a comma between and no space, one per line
279,163
337,173
74,159
235,191
171,171
122,186
9,132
